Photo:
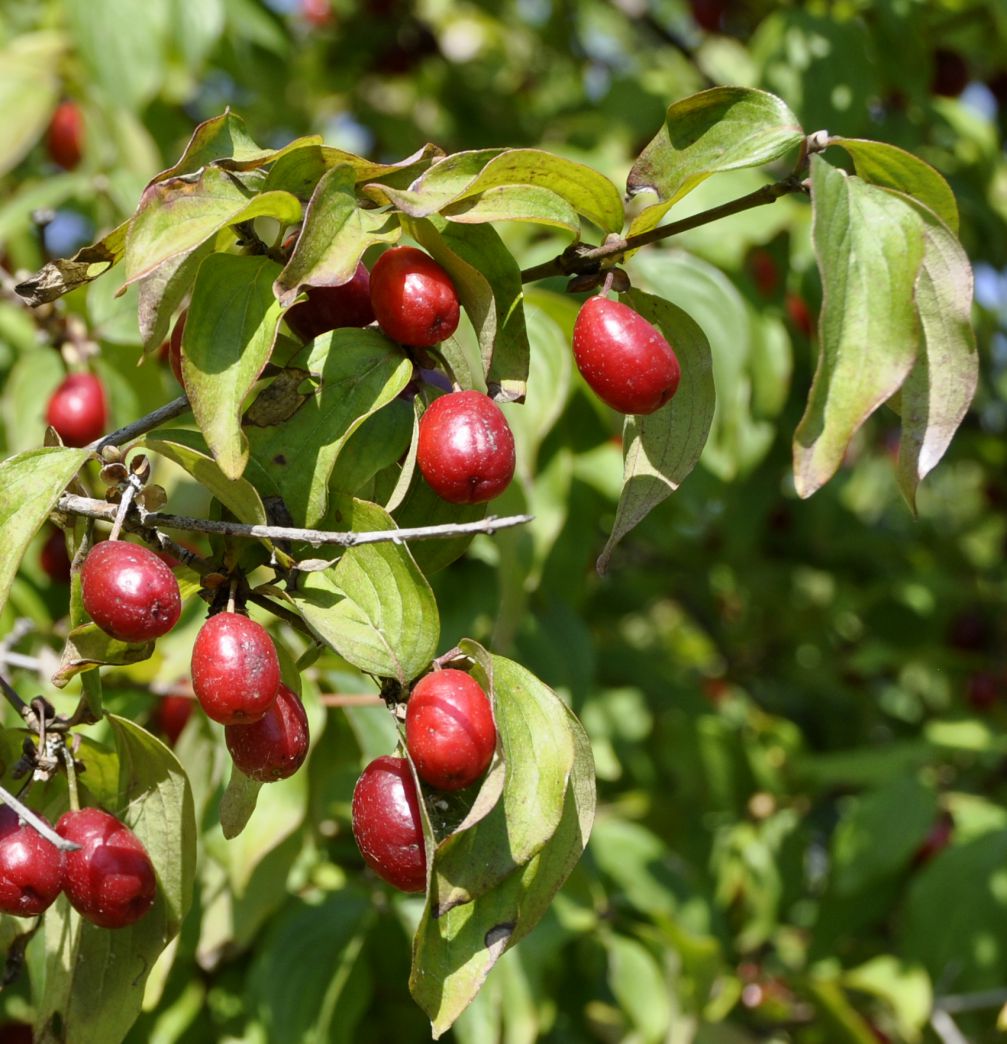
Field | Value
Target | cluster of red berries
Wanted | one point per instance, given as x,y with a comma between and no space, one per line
109,879
450,737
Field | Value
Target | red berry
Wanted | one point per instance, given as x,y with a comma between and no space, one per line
235,670
175,348
333,307
275,746
319,14
65,137
951,73
413,298
449,729
799,314
129,592
110,879
31,868
626,360
465,449
77,409
765,271
54,557
171,714
386,824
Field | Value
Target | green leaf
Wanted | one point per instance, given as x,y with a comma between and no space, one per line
227,341
453,954
220,137
422,507
906,988
894,168
335,234
94,978
869,246
374,607
238,802
188,450
61,276
161,293
532,203
941,385
538,744
660,449
360,371
722,129
87,646
488,282
29,90
30,485
640,988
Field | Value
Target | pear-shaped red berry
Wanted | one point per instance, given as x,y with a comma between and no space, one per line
333,307
626,360
78,410
275,746
414,299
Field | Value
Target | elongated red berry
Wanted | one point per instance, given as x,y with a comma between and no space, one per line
54,557
333,307
235,670
78,410
626,360
31,868
275,746
414,299
129,592
465,449
387,825
110,879
449,729
65,138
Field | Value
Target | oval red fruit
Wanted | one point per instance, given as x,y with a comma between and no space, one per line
129,592
65,138
414,300
626,361
275,746
333,307
31,868
449,729
54,557
465,449
78,410
235,670
387,826
110,879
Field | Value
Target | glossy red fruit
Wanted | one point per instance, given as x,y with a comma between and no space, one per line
175,348
413,298
275,746
129,592
386,824
449,729
54,557
235,670
626,361
110,879
333,307
171,715
465,449
65,138
31,868
78,410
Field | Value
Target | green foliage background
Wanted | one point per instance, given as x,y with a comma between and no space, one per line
785,698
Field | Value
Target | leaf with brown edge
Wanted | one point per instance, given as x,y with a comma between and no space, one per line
61,276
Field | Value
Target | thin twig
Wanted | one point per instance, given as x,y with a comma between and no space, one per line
142,425
39,824
955,1002
132,488
577,260
15,700
72,504
946,1028
351,699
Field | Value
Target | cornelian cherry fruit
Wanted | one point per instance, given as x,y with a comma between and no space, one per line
78,409
65,137
449,729
387,826
235,670
333,307
110,879
465,449
129,592
626,360
54,557
414,299
31,868
275,746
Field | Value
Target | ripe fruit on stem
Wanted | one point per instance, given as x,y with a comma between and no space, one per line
31,868
235,671
465,449
333,307
129,592
78,410
171,714
626,361
54,557
110,879
65,137
449,729
275,746
413,298
386,824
